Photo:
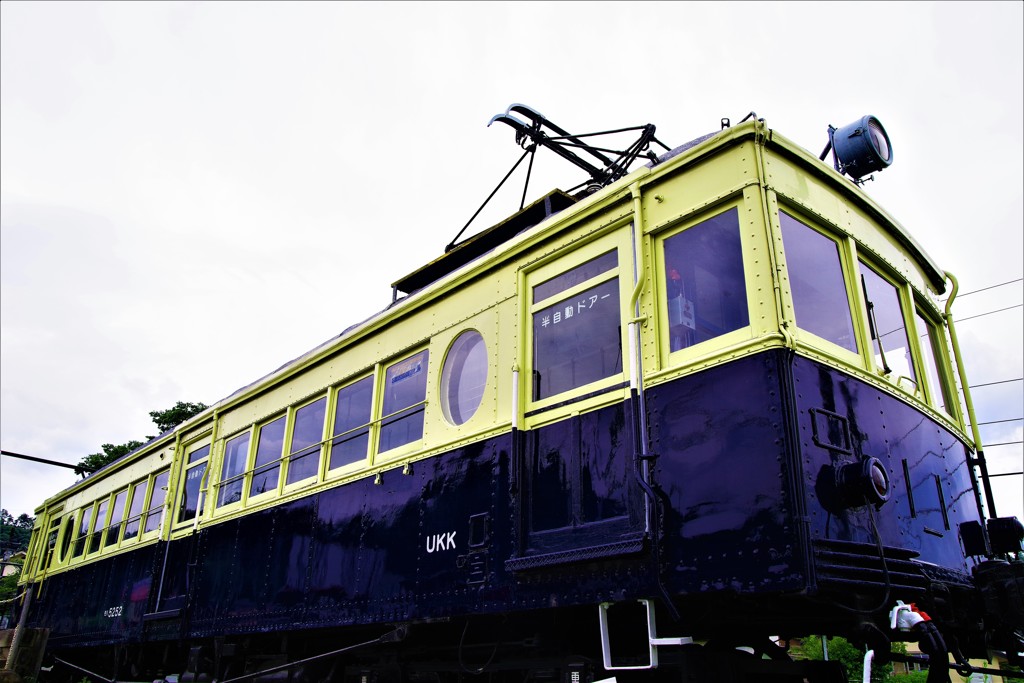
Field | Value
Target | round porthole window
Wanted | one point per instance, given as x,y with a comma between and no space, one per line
463,377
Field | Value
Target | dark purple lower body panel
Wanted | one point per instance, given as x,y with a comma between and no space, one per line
739,513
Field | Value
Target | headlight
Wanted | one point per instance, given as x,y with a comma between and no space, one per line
863,483
860,148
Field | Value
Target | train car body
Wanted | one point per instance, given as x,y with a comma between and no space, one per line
657,408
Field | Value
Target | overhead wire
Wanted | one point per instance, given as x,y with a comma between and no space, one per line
983,289
982,315
993,422
1002,381
1005,381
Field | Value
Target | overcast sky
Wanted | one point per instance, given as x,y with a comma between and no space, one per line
195,193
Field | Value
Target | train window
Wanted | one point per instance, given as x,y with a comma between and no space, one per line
891,347
51,542
131,527
83,530
931,360
704,285
352,423
116,518
577,339
68,534
405,392
578,275
820,302
307,437
101,521
157,496
191,483
463,377
267,466
236,453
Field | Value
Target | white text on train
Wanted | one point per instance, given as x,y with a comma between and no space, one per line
439,542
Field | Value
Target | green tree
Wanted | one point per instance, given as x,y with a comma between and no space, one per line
172,417
14,533
14,537
849,655
94,461
164,420
9,587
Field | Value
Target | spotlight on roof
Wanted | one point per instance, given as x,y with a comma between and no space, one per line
859,148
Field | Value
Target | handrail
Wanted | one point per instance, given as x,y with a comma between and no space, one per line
968,401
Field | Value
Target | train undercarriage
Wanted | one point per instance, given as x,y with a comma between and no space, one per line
692,642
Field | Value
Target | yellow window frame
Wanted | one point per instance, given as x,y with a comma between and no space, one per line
251,466
391,455
290,425
68,526
204,484
47,551
943,366
907,307
98,526
484,414
721,344
105,540
147,509
600,392
332,406
82,535
848,261
241,477
142,510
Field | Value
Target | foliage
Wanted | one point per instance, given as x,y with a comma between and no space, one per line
850,656
164,420
14,533
172,417
14,536
8,588
93,462
852,659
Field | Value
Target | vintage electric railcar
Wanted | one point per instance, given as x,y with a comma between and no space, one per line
623,433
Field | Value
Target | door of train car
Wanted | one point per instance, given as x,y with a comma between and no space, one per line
576,496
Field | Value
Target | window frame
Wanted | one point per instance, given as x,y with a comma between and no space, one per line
241,477
51,542
949,405
380,376
854,259
308,451
202,494
846,249
905,298
94,545
139,516
618,238
444,377
727,340
332,418
149,509
66,541
114,543
278,462
83,530
99,529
